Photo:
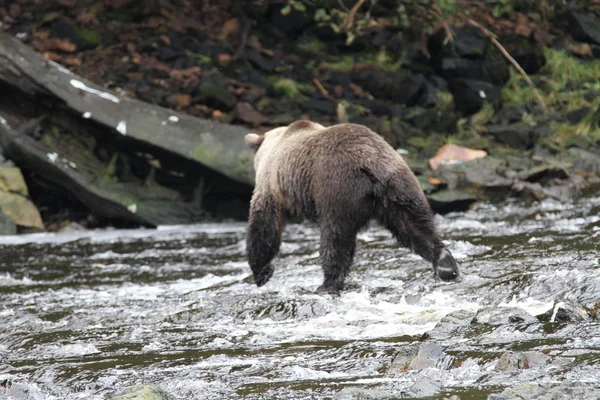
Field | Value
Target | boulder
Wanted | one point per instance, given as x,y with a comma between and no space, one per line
7,225
503,316
143,392
470,94
583,25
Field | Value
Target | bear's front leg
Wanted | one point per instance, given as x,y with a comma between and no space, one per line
338,243
263,237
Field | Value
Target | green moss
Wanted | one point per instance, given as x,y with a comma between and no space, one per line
444,101
200,58
110,171
343,64
89,38
381,60
314,46
289,88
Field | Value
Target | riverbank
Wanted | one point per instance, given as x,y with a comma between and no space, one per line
266,65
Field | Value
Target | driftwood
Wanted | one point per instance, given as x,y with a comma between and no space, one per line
209,159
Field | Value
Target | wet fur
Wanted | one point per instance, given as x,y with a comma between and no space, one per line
340,177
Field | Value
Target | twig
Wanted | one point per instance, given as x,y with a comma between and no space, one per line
322,89
449,35
494,38
352,13
244,40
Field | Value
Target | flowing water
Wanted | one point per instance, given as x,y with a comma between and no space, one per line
84,315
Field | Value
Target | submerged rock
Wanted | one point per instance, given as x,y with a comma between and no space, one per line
565,311
143,392
503,315
548,391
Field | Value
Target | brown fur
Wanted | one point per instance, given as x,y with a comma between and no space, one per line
340,177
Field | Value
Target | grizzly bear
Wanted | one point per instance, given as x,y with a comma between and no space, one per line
340,177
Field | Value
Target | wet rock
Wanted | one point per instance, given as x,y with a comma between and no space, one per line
583,162
286,310
446,201
7,225
417,357
548,391
503,315
565,311
584,25
246,113
450,323
530,191
14,202
511,361
470,94
474,174
143,392
517,135
260,61
425,386
544,173
72,227
355,393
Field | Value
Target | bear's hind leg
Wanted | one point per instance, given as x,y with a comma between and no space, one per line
413,226
337,252
263,237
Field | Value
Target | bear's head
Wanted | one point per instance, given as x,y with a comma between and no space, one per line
263,145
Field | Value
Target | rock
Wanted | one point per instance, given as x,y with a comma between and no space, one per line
565,311
377,107
531,191
491,71
291,23
425,387
446,201
468,42
260,61
72,227
528,54
503,315
517,360
14,202
143,392
404,89
583,162
319,106
433,120
417,357
517,135
548,391
357,393
7,225
451,153
246,113
512,114
470,95
215,94
576,116
448,325
583,25
475,174
544,173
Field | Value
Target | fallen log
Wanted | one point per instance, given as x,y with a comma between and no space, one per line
184,159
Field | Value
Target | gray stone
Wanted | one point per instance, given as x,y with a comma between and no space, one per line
417,357
451,200
7,226
517,360
565,311
425,386
355,393
566,391
143,392
448,325
517,136
503,315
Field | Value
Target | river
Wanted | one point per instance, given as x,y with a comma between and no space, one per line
83,315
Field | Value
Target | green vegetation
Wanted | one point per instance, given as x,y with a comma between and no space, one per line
289,88
382,60
445,101
200,58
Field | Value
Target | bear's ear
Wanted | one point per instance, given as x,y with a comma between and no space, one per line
254,141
